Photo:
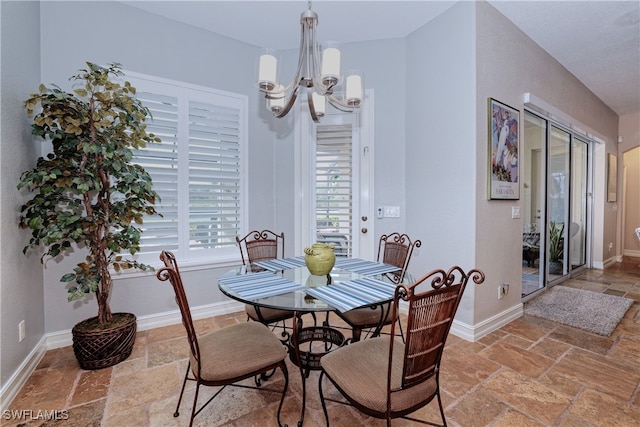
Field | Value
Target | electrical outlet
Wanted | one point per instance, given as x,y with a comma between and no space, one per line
503,290
21,331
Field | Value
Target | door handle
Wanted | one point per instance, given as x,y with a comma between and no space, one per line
364,218
364,230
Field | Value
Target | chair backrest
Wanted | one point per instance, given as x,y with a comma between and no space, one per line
172,273
431,313
396,249
260,246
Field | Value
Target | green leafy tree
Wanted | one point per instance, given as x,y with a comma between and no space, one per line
88,191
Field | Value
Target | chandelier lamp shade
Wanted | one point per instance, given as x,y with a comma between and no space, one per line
318,76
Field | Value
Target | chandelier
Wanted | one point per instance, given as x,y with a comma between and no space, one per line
321,80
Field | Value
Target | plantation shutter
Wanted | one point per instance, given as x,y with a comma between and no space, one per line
196,169
214,175
160,160
334,187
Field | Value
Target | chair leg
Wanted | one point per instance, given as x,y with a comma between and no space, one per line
355,334
195,403
324,405
444,421
285,372
184,383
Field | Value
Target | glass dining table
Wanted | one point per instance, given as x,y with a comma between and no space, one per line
287,284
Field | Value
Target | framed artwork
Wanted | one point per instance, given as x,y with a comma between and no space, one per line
504,155
612,178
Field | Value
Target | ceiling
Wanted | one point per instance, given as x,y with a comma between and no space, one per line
597,41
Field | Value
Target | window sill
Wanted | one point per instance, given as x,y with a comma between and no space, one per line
185,266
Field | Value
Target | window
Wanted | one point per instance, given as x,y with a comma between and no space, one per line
334,186
197,169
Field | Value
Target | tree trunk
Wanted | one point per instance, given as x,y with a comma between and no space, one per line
104,290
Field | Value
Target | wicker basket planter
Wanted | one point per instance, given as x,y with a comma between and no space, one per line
97,348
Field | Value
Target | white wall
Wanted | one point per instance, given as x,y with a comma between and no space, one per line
440,145
21,294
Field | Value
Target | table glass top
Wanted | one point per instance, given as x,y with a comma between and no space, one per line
305,288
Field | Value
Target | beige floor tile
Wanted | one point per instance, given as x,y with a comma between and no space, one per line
478,408
527,396
602,373
518,359
92,385
602,409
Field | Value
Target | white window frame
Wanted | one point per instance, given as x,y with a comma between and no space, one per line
185,92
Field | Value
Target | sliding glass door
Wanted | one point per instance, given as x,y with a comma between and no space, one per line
579,204
555,203
558,156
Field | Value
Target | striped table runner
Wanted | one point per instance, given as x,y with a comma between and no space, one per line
259,285
281,263
351,294
365,267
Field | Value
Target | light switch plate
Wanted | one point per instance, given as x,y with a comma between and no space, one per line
515,212
392,211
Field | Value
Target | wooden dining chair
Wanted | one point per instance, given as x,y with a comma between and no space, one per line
394,249
261,246
225,356
386,378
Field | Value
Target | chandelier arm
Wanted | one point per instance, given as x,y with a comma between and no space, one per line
336,103
296,78
312,108
287,107
314,61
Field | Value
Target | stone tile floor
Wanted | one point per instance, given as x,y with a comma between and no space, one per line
530,372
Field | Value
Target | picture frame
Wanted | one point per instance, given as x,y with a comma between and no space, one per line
612,178
504,151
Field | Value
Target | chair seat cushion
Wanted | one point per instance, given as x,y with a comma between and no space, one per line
360,371
367,316
269,315
238,351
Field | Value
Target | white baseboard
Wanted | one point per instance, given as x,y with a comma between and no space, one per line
63,338
19,378
475,332
630,252
607,262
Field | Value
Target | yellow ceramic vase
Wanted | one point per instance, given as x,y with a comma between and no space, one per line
320,258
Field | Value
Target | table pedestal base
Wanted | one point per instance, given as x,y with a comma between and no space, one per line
303,354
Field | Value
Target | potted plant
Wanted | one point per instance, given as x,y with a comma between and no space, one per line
556,247
88,192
